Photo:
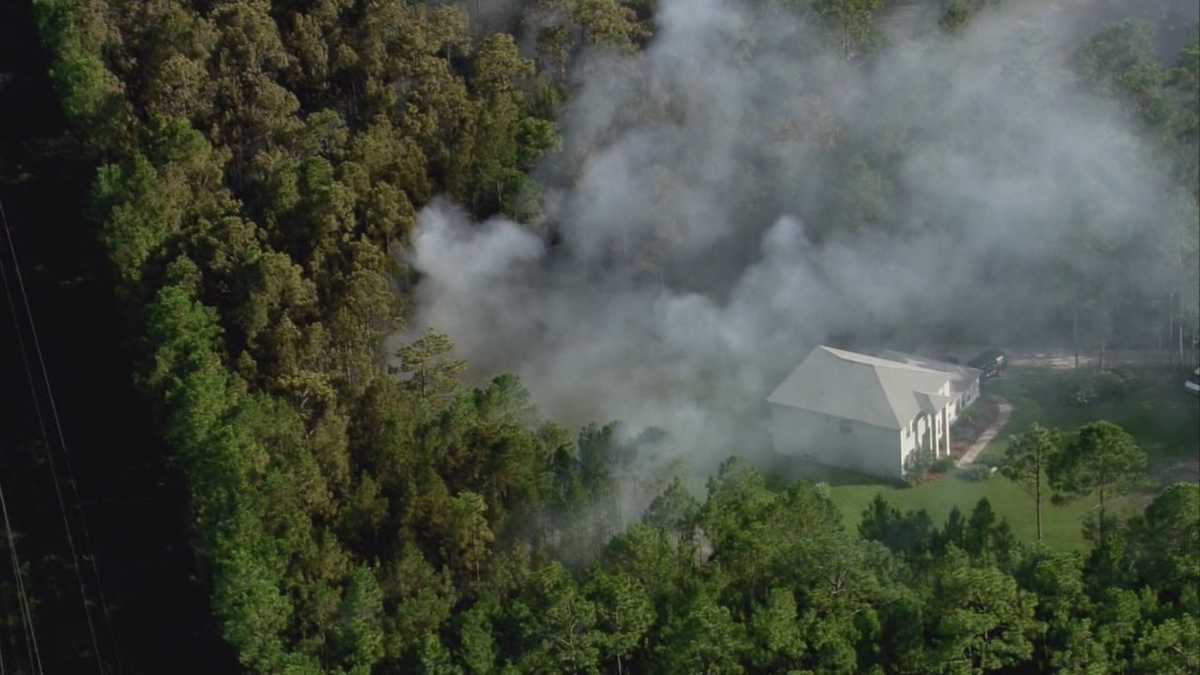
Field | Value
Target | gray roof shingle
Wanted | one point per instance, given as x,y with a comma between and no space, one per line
961,376
876,391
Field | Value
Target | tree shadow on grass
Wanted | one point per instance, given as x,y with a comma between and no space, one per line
783,470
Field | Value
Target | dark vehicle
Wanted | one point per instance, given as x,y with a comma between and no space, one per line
991,362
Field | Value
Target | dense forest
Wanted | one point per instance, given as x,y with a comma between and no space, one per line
283,463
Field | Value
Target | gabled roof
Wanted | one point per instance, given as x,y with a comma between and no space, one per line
868,389
961,376
931,403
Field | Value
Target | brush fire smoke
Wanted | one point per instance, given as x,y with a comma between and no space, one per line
735,194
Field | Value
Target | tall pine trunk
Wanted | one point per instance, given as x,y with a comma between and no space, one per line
1182,360
1037,499
1075,332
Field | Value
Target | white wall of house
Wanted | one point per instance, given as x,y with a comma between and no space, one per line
908,438
932,431
969,395
910,441
944,449
838,442
941,443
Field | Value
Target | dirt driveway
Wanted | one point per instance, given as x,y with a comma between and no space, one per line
1065,358
988,434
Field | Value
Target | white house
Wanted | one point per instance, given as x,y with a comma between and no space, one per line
964,380
865,413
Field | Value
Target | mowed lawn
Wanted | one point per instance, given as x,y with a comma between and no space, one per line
1150,404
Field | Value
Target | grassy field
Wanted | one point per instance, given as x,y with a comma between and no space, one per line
1150,404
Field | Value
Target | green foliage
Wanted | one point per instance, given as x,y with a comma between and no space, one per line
1164,541
976,473
1029,457
89,91
436,659
958,13
1120,60
909,534
984,621
702,638
988,539
263,166
674,510
1027,460
203,424
853,20
650,556
917,472
140,222
469,531
943,465
969,417
1170,647
419,599
1100,458
1063,607
478,643
776,631
625,614
559,625
1084,395
430,376
247,598
1107,385
360,629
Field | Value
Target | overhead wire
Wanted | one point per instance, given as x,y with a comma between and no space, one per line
23,605
62,440
31,645
23,608
49,448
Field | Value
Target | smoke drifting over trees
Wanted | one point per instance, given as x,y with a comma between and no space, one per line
275,199
738,192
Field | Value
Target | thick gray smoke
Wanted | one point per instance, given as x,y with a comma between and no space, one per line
711,228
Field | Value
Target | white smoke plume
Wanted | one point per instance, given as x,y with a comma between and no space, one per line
711,229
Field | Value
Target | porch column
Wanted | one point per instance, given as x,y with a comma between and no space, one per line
935,422
947,435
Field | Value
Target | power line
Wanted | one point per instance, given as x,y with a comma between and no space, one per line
31,645
26,616
62,440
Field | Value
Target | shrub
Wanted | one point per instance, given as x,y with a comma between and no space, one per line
977,472
943,465
918,471
1084,395
1111,384
968,419
1104,385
